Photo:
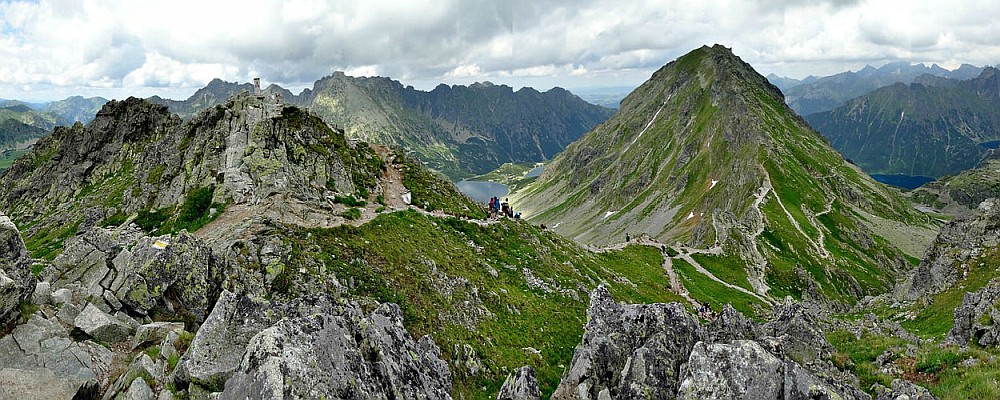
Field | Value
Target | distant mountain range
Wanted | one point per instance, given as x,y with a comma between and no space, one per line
818,94
460,131
916,129
22,122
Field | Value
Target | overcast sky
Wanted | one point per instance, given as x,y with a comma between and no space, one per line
50,49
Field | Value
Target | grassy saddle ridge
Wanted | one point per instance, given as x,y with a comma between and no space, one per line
706,155
494,296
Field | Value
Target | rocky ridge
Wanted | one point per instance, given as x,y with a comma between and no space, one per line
93,332
959,244
458,130
659,351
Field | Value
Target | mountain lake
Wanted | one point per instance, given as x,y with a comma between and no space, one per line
482,190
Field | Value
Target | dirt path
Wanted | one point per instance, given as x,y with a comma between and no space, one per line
687,257
393,190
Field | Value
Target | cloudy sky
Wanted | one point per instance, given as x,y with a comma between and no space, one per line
50,49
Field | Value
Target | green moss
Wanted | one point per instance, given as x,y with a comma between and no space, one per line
156,174
349,201
196,205
48,243
351,214
27,309
150,221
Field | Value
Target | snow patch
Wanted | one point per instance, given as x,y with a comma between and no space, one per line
557,225
608,214
649,124
713,184
691,215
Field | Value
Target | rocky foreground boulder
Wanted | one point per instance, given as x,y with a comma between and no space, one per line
16,281
976,319
630,351
660,351
311,347
959,242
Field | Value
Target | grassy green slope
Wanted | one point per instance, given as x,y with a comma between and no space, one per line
504,289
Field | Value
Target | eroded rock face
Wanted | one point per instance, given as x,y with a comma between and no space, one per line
16,282
902,389
520,385
630,351
310,348
798,333
958,242
178,275
39,360
658,351
347,356
742,369
976,320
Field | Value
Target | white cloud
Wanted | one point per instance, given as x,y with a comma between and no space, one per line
127,46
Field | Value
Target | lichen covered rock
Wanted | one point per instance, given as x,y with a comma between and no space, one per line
16,282
520,385
630,351
976,320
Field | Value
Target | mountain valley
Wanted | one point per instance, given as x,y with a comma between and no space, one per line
702,241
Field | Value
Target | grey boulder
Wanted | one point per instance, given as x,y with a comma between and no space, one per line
520,385
16,282
101,326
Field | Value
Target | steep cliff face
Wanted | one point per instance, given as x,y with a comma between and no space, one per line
966,246
458,130
706,155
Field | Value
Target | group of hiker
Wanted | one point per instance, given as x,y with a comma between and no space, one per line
502,208
706,312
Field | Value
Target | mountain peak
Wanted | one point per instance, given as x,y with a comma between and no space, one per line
706,155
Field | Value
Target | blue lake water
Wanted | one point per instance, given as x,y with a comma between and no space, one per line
535,172
481,190
992,144
908,182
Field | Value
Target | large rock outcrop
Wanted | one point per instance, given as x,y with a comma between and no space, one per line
311,347
959,242
520,385
659,351
39,359
630,351
976,320
16,282
744,369
170,276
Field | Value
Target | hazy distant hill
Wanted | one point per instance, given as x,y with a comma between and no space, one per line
75,108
